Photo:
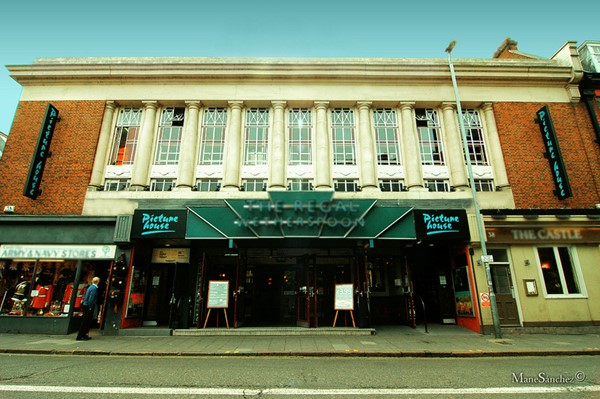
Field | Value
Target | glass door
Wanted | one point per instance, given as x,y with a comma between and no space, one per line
306,298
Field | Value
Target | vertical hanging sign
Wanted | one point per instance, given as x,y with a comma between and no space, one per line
36,168
557,164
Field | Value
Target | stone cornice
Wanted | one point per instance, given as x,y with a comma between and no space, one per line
150,70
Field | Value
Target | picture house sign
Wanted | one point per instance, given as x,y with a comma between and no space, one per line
41,154
557,165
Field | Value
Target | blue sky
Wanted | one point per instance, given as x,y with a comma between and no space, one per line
267,28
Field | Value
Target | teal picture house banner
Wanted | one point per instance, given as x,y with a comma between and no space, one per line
303,214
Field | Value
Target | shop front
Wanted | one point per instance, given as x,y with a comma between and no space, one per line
42,285
283,262
545,267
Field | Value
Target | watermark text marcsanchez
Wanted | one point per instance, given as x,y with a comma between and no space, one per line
543,378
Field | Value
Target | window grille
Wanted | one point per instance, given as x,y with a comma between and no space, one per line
342,125
300,143
428,126
257,132
169,136
125,137
213,136
386,133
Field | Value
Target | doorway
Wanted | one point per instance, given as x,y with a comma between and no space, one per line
159,291
505,299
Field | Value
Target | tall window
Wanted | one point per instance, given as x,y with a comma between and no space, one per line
126,136
342,124
169,137
257,134
386,133
475,141
428,126
559,271
300,144
213,136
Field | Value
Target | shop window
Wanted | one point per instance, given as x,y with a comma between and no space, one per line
386,133
559,271
126,136
169,136
377,274
43,288
213,136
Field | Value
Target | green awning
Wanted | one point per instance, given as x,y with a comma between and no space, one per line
305,214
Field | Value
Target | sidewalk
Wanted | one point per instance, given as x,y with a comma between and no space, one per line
389,341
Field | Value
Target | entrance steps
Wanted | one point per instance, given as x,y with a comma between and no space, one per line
274,331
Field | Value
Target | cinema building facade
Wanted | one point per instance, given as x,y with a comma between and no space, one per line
283,193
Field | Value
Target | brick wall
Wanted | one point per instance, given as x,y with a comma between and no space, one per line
529,172
67,171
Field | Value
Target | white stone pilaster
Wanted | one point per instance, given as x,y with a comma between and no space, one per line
189,144
454,148
323,148
413,170
143,155
368,166
103,147
494,147
277,144
233,145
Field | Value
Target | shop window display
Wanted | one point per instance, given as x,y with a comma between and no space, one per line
42,288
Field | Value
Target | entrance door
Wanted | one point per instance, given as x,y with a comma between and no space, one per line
239,295
505,300
306,297
158,295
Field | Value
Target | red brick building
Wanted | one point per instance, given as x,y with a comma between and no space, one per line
289,180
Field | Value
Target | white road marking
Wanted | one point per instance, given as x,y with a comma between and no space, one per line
298,392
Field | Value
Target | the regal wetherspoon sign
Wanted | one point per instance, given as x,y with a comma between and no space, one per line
557,165
316,214
301,214
38,162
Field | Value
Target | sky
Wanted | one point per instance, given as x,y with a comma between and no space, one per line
31,29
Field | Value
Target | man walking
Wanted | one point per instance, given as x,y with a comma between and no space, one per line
89,306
